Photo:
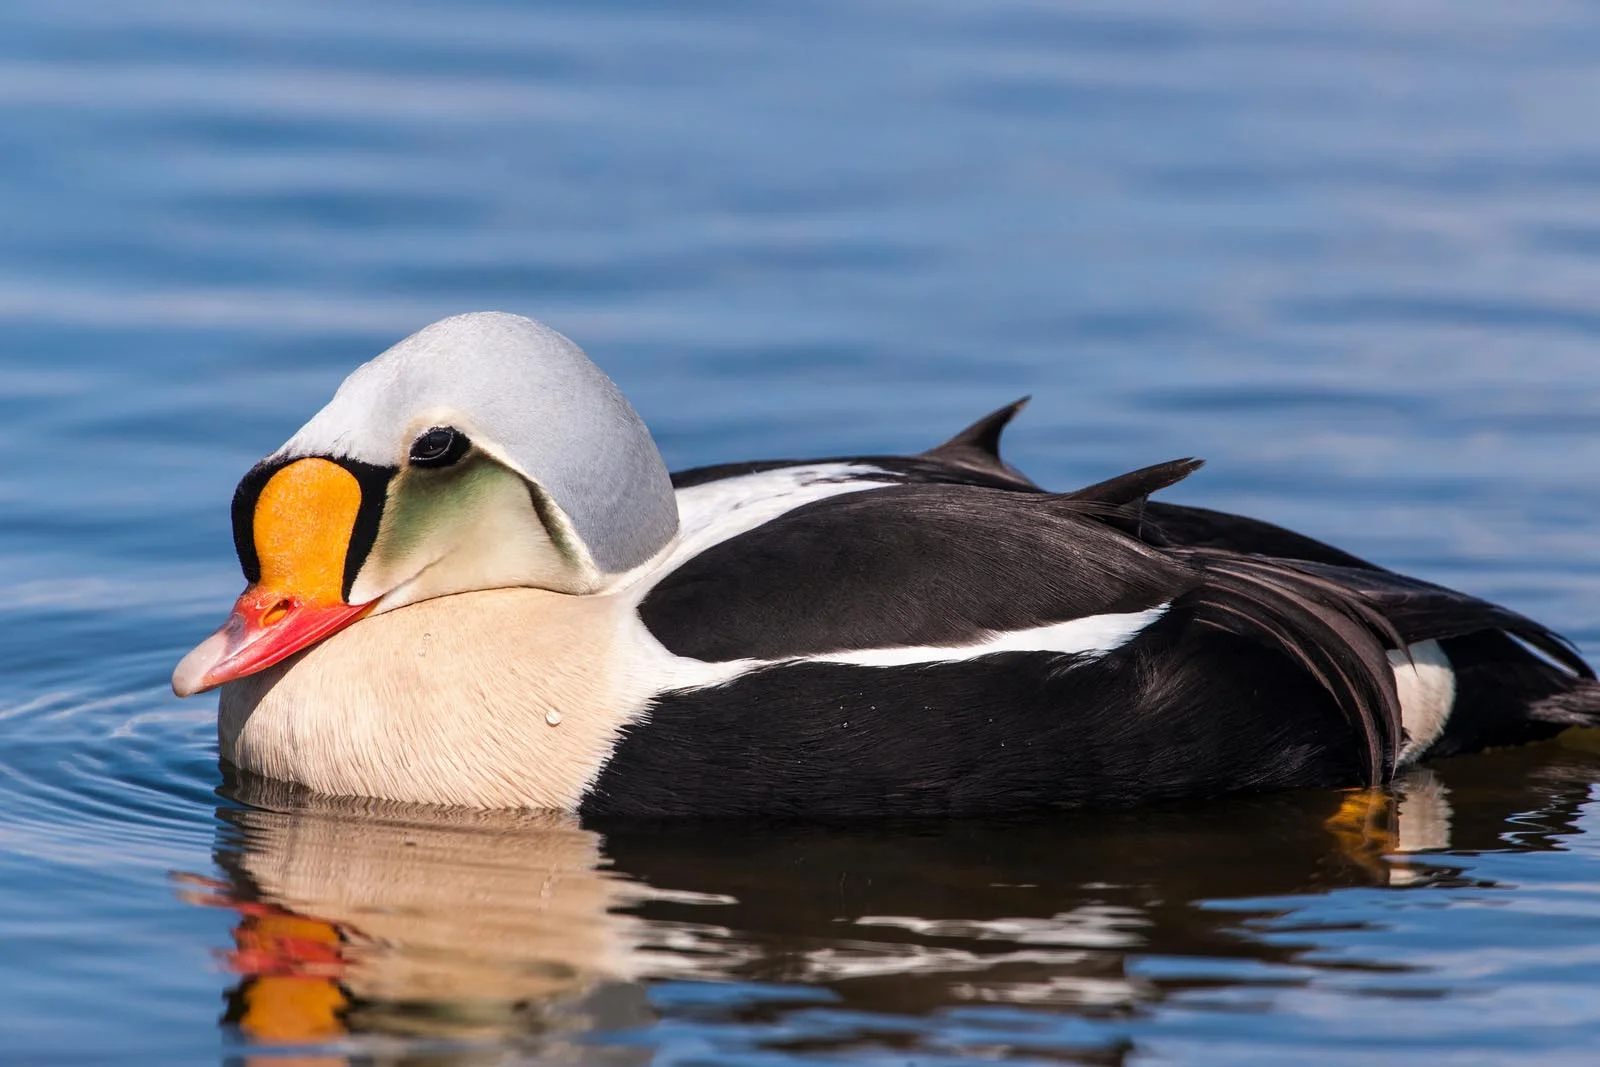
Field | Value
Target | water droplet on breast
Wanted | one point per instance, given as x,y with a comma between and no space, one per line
553,718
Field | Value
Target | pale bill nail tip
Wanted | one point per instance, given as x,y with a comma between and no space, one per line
188,677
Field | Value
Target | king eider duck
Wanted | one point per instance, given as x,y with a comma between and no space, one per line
472,581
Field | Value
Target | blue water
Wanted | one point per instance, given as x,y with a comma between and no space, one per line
1349,253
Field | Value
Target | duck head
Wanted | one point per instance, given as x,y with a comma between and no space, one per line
485,451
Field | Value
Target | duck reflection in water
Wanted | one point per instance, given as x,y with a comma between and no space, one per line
367,917
362,921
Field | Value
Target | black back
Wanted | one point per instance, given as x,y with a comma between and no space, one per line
913,564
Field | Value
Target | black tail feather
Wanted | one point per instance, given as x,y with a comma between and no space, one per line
1422,611
1330,631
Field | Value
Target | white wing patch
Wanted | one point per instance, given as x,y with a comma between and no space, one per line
1427,689
718,511
715,511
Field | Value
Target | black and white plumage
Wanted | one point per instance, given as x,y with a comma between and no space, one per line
891,635
1244,672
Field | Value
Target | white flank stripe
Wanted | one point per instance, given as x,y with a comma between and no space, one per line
1092,636
1427,688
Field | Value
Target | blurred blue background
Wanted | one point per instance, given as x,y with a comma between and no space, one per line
1347,253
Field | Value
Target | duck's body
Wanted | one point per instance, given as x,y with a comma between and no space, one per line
920,635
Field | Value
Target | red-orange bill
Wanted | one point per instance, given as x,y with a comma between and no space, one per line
264,628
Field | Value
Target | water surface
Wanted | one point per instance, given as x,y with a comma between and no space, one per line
1349,254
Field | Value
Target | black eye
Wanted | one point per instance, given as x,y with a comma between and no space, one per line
439,447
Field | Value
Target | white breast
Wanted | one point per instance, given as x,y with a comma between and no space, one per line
448,701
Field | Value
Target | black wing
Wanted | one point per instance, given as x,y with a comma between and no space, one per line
907,565
1194,527
1331,613
940,566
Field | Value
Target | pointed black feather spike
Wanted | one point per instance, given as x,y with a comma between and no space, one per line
1120,502
977,448
1137,485
981,438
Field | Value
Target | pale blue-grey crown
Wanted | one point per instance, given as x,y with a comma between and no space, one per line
531,397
